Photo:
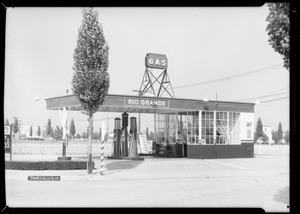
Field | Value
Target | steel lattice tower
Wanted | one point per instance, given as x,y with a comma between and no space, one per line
156,80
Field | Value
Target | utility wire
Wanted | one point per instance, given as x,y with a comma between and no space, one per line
270,95
274,100
230,77
280,90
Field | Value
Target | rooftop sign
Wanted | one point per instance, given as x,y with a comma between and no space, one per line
146,102
156,61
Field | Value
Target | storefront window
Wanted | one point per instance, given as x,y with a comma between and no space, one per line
160,128
221,127
171,131
207,122
234,128
188,127
227,127
193,127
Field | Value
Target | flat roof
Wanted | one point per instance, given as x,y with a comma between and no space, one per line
144,104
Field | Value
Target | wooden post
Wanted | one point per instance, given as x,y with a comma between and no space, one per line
90,162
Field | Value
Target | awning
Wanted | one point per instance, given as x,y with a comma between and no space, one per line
143,104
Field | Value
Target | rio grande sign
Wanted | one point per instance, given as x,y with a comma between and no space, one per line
156,61
146,102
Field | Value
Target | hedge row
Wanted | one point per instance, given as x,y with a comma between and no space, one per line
46,165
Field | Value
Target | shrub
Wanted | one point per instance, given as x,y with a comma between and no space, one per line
46,165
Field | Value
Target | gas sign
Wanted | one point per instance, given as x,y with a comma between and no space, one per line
156,61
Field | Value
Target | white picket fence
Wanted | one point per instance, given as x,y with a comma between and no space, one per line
27,147
271,149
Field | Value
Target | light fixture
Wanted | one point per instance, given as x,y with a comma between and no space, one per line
205,99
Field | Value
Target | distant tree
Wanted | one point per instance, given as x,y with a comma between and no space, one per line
279,132
90,81
16,125
265,138
78,136
96,135
58,133
55,133
49,129
147,133
106,136
7,122
275,137
279,29
258,130
84,135
72,128
52,133
39,131
287,137
151,136
87,132
100,133
30,132
61,133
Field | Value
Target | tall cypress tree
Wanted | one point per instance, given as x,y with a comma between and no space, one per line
39,131
258,130
30,132
16,126
147,133
90,81
279,131
49,128
72,128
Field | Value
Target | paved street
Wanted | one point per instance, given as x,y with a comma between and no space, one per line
262,181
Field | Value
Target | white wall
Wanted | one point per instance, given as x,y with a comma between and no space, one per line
244,119
268,131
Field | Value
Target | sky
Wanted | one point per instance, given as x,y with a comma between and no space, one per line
202,44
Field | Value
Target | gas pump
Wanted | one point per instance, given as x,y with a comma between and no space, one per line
133,132
125,132
117,136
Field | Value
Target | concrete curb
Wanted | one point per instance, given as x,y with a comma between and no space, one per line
19,175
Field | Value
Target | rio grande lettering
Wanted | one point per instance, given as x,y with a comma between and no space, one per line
147,102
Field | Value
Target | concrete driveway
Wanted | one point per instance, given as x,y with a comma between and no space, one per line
261,182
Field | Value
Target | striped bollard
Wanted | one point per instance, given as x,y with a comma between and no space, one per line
101,157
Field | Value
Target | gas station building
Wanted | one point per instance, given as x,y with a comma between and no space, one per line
210,129
182,127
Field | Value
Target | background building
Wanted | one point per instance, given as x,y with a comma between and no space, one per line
268,131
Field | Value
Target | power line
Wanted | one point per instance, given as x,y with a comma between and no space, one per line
270,95
274,100
280,90
230,77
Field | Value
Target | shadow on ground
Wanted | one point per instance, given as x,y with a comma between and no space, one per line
282,195
122,164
